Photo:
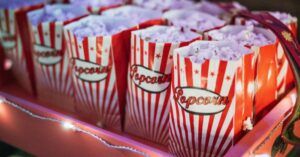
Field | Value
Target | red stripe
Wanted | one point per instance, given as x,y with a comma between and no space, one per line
99,47
221,76
52,34
41,34
204,74
76,47
165,57
151,53
85,45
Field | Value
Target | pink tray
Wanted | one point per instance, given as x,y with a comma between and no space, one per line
45,138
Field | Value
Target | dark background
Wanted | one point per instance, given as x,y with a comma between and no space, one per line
290,6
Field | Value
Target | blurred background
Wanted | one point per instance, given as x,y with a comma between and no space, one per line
290,6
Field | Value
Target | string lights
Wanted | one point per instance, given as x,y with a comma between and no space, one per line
69,126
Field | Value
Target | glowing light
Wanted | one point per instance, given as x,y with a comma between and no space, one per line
7,64
262,155
68,125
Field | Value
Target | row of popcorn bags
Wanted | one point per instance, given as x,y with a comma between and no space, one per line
285,78
51,61
150,66
16,42
100,59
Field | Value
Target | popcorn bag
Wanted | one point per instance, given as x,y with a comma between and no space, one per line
149,76
14,34
285,79
263,43
212,97
100,60
51,61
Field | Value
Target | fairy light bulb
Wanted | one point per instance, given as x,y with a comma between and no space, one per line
68,126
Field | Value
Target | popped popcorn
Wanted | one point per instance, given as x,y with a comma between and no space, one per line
163,34
93,26
136,14
164,5
57,12
244,35
216,9
192,19
200,51
97,3
13,4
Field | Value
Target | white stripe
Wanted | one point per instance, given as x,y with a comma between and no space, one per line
106,45
282,73
12,21
57,45
228,142
36,35
170,61
211,85
81,56
92,58
280,51
139,91
196,77
183,83
159,47
45,29
4,21
58,35
74,55
130,89
226,85
226,123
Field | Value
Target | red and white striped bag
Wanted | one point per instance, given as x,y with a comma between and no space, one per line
265,70
99,72
212,105
15,39
51,61
149,76
285,78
